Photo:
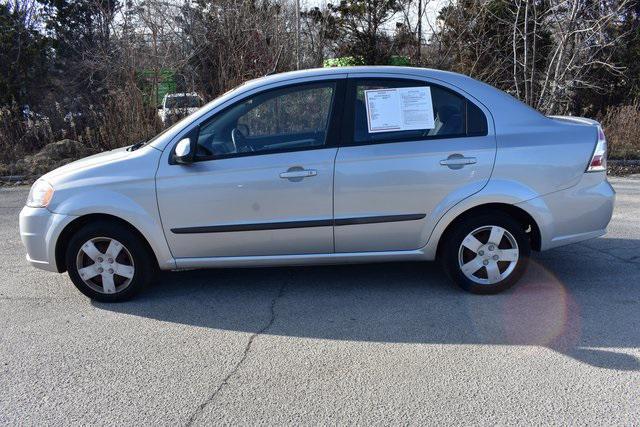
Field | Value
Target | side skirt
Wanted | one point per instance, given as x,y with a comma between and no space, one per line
306,259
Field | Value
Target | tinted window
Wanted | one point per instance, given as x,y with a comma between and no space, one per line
476,120
449,108
278,120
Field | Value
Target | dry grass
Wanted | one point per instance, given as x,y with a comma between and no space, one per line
622,128
124,119
21,134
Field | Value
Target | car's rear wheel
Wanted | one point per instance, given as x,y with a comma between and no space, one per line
107,262
486,254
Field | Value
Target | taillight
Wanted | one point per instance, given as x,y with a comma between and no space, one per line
598,161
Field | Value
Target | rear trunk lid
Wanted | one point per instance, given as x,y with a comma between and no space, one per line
575,119
598,162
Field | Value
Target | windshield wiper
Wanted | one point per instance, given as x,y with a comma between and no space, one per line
137,145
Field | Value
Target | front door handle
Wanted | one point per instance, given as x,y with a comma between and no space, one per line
297,173
457,161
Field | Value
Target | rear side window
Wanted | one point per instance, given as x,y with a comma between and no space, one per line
454,116
476,120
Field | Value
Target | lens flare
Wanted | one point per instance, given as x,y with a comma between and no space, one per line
539,312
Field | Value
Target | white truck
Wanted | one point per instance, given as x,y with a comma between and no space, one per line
177,105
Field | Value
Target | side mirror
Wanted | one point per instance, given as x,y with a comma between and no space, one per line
184,152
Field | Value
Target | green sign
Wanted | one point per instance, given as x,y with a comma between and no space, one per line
161,82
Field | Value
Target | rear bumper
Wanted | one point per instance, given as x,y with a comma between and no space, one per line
578,213
39,231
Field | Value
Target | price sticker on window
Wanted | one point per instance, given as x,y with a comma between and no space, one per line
399,109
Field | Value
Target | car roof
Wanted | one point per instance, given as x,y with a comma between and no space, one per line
328,71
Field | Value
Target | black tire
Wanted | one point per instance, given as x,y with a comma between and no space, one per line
452,252
142,259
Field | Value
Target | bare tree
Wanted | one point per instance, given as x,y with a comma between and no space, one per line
581,43
541,51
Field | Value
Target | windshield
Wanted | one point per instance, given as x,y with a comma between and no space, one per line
183,102
161,133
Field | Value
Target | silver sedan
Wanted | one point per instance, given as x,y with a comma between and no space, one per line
338,165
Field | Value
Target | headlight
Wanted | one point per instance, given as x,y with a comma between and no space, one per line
40,194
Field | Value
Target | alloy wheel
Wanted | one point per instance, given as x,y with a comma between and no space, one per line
105,265
488,255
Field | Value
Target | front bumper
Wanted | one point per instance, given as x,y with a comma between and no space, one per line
39,231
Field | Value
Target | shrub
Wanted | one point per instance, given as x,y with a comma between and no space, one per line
348,61
21,132
123,119
345,61
402,61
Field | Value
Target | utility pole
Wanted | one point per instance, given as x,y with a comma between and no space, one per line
297,34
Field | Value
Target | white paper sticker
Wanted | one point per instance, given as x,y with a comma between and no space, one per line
392,110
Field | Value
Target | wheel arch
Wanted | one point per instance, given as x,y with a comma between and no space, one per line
75,225
528,223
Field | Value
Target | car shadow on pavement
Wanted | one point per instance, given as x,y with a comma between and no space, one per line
582,301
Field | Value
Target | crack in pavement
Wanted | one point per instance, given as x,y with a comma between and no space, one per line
619,258
193,418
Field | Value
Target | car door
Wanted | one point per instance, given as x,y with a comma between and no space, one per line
262,182
391,187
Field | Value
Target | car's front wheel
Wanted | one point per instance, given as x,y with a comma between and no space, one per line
107,262
486,254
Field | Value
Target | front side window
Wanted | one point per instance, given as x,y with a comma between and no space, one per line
450,114
285,119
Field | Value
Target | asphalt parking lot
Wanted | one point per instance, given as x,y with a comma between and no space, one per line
384,343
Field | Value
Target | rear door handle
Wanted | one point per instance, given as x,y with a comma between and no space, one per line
297,173
457,161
